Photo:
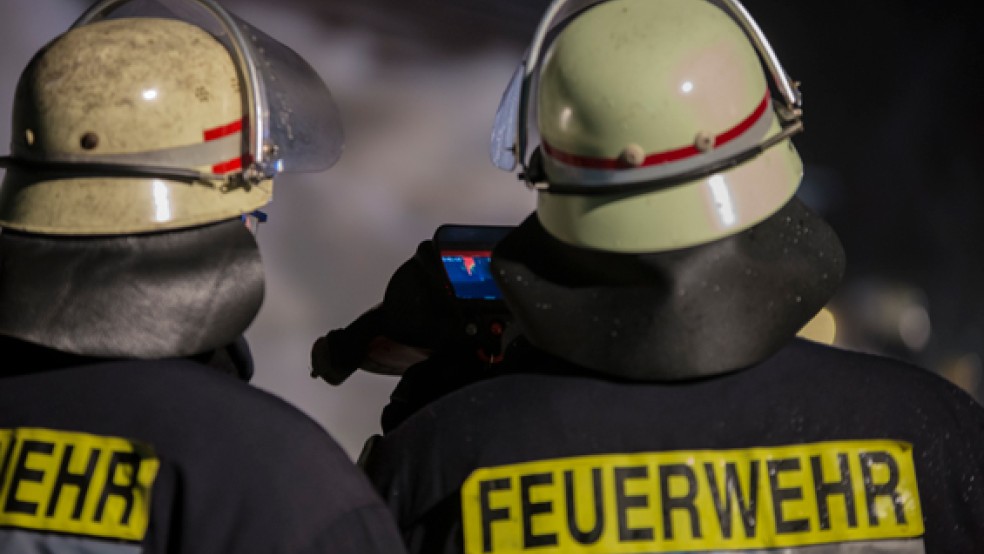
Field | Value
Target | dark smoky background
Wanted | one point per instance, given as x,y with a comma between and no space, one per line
892,97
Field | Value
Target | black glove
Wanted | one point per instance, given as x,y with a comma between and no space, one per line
418,315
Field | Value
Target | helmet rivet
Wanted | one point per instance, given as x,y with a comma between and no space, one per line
703,142
89,141
29,137
634,155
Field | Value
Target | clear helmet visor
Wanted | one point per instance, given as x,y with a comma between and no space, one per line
510,132
292,123
505,130
511,129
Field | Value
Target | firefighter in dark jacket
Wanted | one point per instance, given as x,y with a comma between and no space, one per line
658,400
142,148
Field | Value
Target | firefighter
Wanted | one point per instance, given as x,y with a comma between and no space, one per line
658,399
143,146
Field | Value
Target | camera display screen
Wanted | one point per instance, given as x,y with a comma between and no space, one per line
470,274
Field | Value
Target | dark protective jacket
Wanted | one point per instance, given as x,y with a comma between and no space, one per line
128,457
815,450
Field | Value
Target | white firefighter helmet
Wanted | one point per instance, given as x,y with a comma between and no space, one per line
656,123
152,115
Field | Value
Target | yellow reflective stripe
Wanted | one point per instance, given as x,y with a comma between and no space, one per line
772,497
75,483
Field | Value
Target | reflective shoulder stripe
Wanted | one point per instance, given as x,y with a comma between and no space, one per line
30,542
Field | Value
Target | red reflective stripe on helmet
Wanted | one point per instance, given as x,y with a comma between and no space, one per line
220,132
226,167
582,161
745,125
659,157
223,130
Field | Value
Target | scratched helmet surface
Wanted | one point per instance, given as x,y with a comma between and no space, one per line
657,128
151,115
150,91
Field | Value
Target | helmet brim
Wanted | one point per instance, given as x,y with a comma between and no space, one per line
681,216
49,203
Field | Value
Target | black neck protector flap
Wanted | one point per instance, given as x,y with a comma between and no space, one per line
160,295
676,315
